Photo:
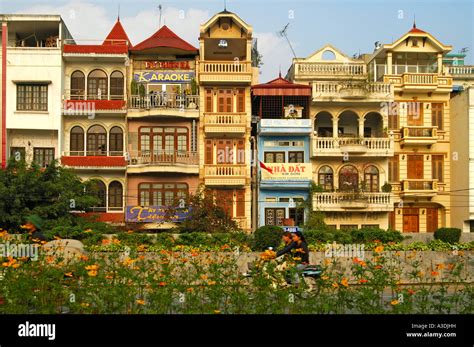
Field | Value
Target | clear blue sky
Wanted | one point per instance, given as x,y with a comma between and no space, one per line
351,25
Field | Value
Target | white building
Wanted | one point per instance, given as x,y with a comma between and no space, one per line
33,85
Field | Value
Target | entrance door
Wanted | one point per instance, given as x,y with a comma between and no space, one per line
415,166
431,219
411,220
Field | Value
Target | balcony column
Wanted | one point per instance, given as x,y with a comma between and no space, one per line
361,126
440,63
389,63
334,126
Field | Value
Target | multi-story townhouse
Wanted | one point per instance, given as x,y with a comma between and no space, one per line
32,84
225,75
94,117
350,145
419,118
163,124
283,151
462,145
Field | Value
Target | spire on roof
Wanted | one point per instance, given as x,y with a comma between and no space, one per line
117,35
118,13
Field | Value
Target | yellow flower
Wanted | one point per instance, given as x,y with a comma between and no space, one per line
217,311
394,302
140,302
85,304
92,267
141,248
344,282
68,274
378,249
92,273
128,261
203,277
324,278
88,230
335,285
211,283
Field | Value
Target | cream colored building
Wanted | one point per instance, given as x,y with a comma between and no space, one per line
225,74
350,146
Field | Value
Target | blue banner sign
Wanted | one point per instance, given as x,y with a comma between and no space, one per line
291,229
156,214
167,76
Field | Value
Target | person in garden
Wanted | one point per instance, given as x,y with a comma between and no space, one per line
34,223
298,248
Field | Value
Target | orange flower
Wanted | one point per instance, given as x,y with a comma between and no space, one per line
344,282
85,304
394,302
362,281
224,247
88,230
434,273
92,267
129,231
50,259
57,238
194,254
105,242
411,291
142,248
362,263
203,277
377,267
68,274
397,253
84,257
324,278
109,277
211,283
116,241
217,311
184,260
190,290
162,284
15,266
140,302
451,266
378,249
356,260
439,266
335,285
92,273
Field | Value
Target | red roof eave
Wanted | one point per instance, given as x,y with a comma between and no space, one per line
93,161
97,49
96,104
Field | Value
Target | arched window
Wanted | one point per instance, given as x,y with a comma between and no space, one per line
78,85
96,140
97,85
116,85
348,178
116,141
326,178
100,192
115,195
328,55
76,146
371,179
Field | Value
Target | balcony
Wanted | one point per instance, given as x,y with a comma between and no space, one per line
225,72
462,71
163,104
340,146
92,160
420,82
418,136
163,161
225,123
365,201
76,102
285,127
225,174
334,91
417,188
331,71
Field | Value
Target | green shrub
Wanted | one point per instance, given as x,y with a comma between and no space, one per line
316,236
451,235
193,239
343,237
135,239
371,234
266,236
165,239
93,239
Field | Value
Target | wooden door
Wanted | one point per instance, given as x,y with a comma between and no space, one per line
431,219
415,166
410,223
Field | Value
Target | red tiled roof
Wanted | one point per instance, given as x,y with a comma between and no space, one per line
101,161
103,216
117,35
164,37
98,49
281,86
96,104
416,30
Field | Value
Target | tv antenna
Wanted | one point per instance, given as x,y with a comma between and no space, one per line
159,9
282,33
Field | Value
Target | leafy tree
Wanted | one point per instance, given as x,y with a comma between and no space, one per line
206,214
51,192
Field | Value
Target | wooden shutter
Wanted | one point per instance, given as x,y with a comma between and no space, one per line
437,115
240,201
208,155
393,169
415,166
209,105
437,167
241,100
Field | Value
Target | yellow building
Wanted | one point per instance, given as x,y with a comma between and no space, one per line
350,146
381,148
225,75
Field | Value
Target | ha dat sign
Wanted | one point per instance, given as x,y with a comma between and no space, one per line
287,172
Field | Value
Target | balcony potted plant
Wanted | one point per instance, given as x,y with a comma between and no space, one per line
387,188
194,92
